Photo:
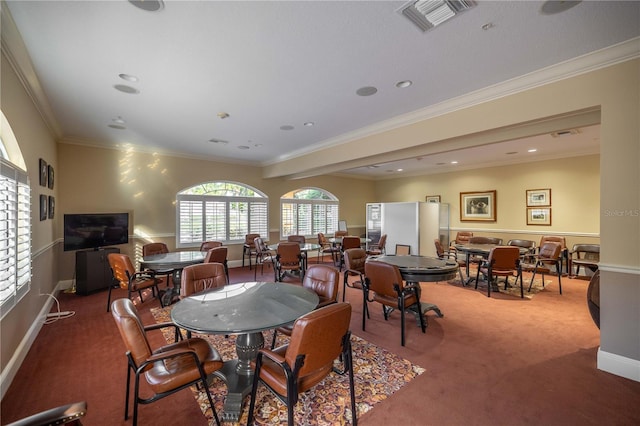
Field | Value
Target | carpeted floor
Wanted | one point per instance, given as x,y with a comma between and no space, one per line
378,374
513,289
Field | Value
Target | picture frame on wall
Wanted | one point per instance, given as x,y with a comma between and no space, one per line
478,206
43,172
432,198
50,176
539,197
43,207
52,207
539,216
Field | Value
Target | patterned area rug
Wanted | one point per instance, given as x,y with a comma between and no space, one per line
512,289
378,374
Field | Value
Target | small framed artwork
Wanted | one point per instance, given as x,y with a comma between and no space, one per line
432,198
478,206
43,207
52,207
43,172
50,176
539,216
539,197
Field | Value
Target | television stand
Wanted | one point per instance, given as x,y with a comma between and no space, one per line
93,272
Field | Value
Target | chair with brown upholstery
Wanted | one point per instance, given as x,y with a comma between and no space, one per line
126,276
323,280
248,248
384,284
202,276
584,255
69,414
289,259
263,255
167,369
526,244
503,261
462,237
218,255
327,247
317,340
348,242
338,234
354,260
300,239
548,256
403,250
208,245
378,249
449,255
151,249
564,250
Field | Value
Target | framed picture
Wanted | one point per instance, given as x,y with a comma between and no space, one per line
50,176
52,207
539,197
43,172
432,198
539,216
478,206
43,207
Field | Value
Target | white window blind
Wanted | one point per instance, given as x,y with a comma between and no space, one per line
15,235
308,211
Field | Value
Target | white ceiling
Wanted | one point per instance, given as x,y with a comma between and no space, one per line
271,64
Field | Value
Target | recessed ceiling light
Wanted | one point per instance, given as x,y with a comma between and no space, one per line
552,7
128,77
309,123
404,83
287,127
532,150
126,89
399,170
118,120
366,91
243,147
148,5
373,167
454,162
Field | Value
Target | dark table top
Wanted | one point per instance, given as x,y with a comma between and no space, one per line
243,308
421,268
172,260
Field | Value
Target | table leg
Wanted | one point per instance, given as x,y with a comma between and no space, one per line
238,374
424,306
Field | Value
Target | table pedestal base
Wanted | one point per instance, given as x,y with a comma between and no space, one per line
238,374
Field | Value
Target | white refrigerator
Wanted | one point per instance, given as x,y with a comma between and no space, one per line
415,224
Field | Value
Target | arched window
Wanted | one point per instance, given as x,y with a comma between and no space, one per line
15,222
223,211
307,211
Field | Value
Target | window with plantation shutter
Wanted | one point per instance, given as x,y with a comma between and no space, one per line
221,211
307,211
15,235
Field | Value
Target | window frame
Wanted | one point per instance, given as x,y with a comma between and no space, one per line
327,225
254,219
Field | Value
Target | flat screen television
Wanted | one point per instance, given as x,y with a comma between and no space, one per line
95,230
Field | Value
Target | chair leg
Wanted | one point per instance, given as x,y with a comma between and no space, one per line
254,389
273,339
402,321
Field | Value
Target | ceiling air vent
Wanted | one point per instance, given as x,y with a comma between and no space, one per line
564,133
427,14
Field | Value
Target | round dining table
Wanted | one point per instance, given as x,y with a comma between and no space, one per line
173,262
245,309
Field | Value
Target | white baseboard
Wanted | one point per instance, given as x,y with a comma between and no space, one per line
619,365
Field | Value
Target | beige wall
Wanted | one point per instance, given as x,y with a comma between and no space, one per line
575,197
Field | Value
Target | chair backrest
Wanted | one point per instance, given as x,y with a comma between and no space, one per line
131,330
208,245
550,250
528,244
154,248
382,242
340,233
403,250
355,258
554,239
216,255
587,251
480,240
504,257
289,254
323,280
259,245
318,336
350,241
121,268
248,239
382,277
462,237
300,239
322,239
495,240
439,249
202,276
